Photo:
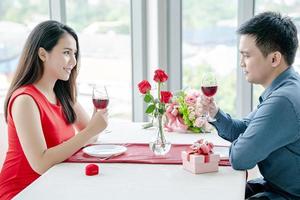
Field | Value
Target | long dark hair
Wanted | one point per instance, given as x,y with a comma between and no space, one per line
30,67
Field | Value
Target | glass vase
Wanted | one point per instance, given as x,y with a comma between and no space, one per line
160,146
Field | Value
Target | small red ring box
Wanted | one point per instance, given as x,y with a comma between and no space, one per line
91,170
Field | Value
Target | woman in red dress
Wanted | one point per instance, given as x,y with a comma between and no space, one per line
41,109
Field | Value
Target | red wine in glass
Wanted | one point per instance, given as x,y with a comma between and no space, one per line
209,88
100,103
100,98
209,91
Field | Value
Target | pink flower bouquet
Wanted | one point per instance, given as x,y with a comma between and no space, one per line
186,114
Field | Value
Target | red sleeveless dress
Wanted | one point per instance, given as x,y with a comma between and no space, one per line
16,172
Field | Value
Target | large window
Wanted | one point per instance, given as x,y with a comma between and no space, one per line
17,19
285,7
103,27
210,44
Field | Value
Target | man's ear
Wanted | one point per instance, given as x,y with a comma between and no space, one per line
276,58
42,54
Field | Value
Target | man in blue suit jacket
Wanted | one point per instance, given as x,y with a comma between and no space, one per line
270,135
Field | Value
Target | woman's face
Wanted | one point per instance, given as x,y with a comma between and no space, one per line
61,59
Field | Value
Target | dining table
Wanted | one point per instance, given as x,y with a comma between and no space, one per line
135,181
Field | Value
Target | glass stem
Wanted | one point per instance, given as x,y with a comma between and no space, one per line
207,115
160,129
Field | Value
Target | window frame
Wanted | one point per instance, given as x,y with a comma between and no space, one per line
168,47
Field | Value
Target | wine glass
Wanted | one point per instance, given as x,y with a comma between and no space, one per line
209,88
100,98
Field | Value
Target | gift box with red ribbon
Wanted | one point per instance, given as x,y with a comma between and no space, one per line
200,159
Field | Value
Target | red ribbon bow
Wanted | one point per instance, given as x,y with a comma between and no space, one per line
201,147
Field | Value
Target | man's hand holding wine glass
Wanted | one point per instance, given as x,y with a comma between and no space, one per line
209,87
209,106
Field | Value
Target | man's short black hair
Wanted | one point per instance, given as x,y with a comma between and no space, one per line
272,32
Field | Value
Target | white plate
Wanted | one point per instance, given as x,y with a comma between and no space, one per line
222,151
104,150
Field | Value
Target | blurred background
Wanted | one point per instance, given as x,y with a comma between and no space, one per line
208,42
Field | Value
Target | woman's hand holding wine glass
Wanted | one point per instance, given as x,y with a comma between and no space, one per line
100,101
98,122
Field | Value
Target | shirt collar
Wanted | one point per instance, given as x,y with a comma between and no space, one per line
276,82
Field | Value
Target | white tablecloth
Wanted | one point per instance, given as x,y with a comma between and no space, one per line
137,181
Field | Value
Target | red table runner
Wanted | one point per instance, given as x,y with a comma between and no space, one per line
139,153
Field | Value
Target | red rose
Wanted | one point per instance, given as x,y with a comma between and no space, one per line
165,96
160,76
144,86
